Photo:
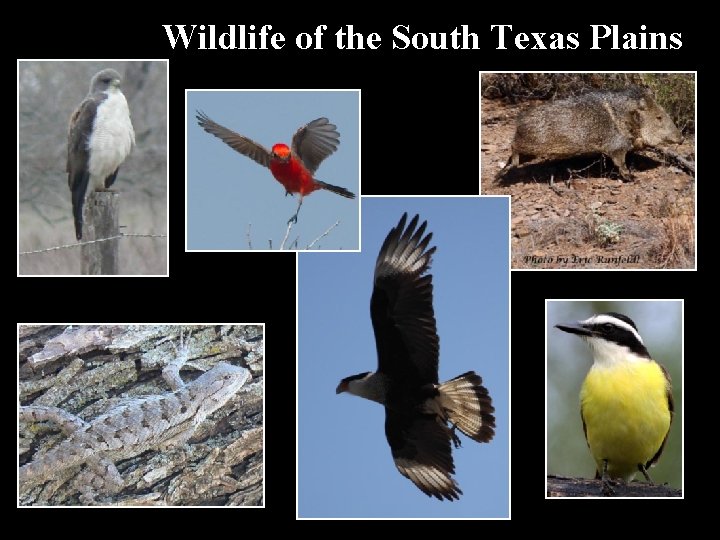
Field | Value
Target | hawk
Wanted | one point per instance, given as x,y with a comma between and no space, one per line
100,137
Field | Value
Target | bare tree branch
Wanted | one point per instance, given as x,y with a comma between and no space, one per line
559,486
311,244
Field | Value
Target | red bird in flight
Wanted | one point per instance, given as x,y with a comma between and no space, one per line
294,167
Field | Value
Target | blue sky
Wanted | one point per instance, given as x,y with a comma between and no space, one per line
344,461
228,191
568,361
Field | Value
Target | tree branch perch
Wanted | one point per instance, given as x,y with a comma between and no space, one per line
560,486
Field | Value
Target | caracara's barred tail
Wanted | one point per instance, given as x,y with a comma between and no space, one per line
468,406
336,189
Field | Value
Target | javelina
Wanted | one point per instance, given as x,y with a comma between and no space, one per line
610,123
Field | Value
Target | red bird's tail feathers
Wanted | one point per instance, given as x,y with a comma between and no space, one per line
336,189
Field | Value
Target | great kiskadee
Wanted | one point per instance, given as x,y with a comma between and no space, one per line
626,401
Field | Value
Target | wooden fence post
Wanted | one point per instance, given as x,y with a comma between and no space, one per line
101,216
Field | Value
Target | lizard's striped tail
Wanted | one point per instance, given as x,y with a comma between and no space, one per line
46,466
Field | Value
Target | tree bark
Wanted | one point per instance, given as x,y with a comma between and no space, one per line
88,370
558,486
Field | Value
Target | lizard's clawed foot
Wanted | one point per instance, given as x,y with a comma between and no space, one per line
182,349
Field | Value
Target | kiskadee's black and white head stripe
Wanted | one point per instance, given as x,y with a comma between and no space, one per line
609,332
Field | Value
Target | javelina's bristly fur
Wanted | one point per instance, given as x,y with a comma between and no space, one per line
607,122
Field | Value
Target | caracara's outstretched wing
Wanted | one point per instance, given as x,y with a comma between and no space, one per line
401,306
421,450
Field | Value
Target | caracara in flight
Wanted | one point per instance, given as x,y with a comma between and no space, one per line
421,415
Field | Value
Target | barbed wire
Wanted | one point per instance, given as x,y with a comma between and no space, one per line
79,244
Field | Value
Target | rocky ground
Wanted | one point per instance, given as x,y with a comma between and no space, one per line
578,213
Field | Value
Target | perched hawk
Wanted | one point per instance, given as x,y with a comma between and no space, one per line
100,137
418,408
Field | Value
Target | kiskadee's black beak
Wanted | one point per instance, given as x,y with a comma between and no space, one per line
574,328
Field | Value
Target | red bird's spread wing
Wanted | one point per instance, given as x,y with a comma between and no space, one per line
314,142
245,146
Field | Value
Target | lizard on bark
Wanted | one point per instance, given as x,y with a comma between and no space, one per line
152,422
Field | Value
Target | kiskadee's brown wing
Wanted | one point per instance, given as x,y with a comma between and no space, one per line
671,408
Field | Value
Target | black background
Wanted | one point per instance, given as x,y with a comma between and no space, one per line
420,136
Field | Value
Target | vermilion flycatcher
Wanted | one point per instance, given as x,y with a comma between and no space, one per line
293,167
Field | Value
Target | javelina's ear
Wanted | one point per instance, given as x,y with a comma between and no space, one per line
642,104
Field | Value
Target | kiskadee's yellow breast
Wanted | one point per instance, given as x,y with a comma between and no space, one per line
625,409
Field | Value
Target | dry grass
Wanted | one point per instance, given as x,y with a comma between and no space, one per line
519,86
666,240
675,92
675,247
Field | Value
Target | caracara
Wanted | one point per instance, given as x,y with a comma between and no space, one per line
421,415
